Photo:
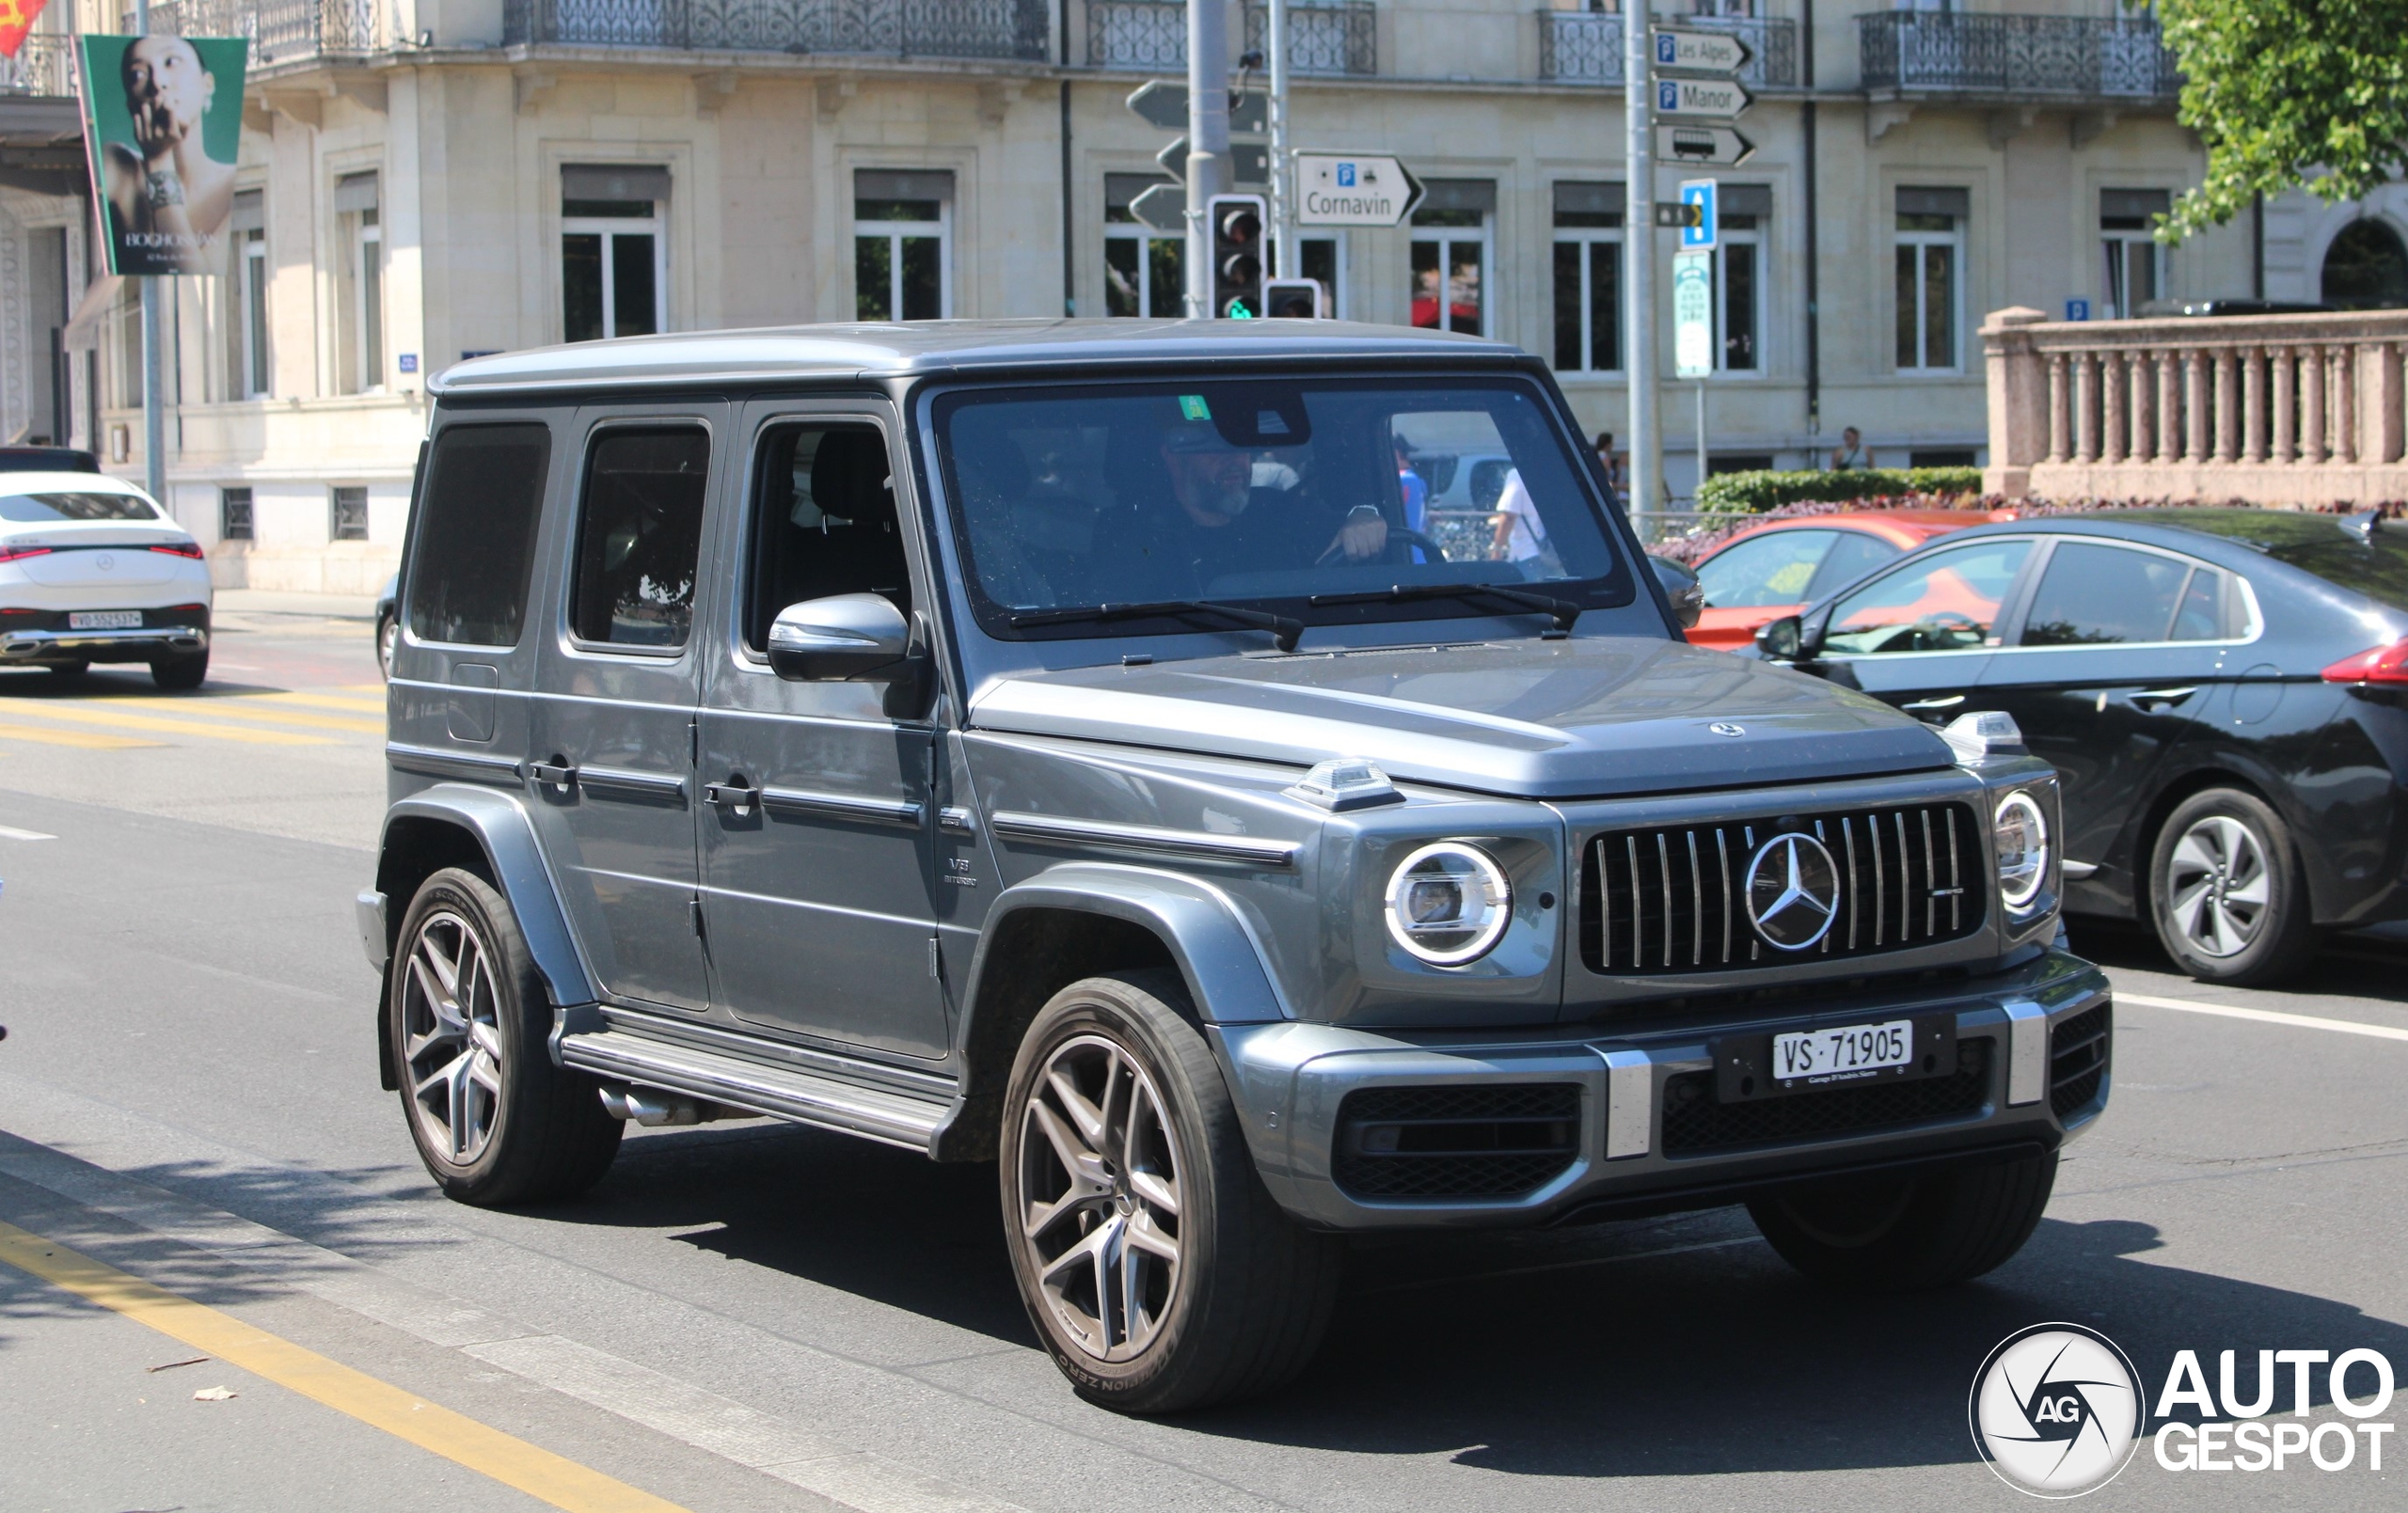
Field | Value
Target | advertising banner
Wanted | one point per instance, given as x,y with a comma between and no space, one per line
163,121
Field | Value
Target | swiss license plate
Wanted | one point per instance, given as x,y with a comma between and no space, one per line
104,619
1834,1056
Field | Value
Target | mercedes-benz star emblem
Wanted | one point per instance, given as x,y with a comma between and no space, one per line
1792,891
1723,727
106,563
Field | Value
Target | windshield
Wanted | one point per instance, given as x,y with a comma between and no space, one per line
1282,494
2376,567
46,509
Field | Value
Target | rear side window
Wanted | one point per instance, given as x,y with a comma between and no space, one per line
639,541
49,509
2094,596
1770,568
476,535
1854,554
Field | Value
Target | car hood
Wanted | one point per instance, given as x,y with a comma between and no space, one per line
1589,716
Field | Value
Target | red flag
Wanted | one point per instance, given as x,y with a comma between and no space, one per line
16,19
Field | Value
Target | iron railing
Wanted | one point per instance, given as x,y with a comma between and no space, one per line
44,65
2081,57
1586,47
280,31
1324,39
1018,29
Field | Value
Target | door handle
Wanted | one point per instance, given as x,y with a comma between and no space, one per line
735,795
559,772
1949,703
2149,701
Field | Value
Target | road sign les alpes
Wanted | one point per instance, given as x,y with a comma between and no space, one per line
1700,52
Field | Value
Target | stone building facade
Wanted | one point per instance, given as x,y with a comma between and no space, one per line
427,178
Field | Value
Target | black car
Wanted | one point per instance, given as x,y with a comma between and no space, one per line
47,460
2221,690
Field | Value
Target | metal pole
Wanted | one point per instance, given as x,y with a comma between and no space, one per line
154,418
1639,261
1283,210
1208,140
1700,444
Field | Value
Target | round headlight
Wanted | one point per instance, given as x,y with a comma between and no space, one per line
2022,837
1448,903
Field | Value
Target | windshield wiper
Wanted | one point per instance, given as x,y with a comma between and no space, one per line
1565,611
1283,630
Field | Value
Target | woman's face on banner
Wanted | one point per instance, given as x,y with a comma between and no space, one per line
166,86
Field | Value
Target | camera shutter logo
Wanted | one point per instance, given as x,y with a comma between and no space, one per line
1792,891
2056,1411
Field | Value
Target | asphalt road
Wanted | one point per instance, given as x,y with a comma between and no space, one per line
754,1316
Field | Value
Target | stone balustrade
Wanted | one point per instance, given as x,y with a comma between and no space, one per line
2268,409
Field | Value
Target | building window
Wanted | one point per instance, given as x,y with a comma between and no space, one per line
359,286
615,270
351,513
902,267
235,515
250,286
1929,252
1587,277
1453,251
2136,262
1742,211
1144,270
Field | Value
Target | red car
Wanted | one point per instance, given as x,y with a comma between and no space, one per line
1779,567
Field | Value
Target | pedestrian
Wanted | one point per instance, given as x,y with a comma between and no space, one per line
1413,491
1521,535
1617,481
1851,453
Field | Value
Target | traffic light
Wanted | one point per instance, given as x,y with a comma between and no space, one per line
1292,299
1237,256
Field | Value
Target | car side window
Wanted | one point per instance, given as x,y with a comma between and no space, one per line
1946,602
2093,595
476,516
2211,608
1854,554
1770,568
823,522
640,536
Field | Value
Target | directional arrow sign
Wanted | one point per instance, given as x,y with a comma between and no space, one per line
1353,189
1249,162
1715,146
1164,208
1164,103
1677,47
1702,99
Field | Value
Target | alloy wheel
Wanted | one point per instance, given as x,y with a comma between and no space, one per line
451,1046
2218,886
1101,1197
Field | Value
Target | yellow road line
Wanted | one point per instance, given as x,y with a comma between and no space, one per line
94,715
242,709
514,1462
348,704
89,740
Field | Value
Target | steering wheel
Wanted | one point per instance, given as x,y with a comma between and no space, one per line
1951,619
1397,535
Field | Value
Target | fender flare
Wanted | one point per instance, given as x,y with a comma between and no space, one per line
1213,946
502,829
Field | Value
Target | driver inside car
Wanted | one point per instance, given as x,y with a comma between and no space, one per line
1215,521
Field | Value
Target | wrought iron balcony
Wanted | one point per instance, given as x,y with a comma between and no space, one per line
45,65
2054,57
1020,30
1322,38
1586,47
280,31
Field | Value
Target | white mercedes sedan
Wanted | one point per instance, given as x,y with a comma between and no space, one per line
92,569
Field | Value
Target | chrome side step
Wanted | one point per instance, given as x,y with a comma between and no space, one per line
891,1115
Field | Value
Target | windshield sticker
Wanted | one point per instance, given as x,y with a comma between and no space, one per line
1192,407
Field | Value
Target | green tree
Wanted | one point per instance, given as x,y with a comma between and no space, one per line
2285,92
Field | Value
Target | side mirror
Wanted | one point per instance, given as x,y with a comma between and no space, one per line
842,637
1782,641
1682,587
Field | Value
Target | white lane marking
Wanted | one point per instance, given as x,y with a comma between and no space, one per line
10,832
2304,1021
850,1478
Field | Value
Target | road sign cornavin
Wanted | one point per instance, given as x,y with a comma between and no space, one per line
1353,189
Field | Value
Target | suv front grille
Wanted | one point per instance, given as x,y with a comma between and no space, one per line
1673,900
2078,1060
1694,1122
1456,1142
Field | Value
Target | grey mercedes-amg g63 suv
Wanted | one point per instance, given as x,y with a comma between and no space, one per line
1086,747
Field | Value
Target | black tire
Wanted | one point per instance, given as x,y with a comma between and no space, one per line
2209,922
69,669
1907,1233
179,674
1244,1308
537,1132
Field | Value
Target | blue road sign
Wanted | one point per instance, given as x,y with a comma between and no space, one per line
1698,236
2077,309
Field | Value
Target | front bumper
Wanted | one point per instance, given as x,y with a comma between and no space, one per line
141,643
1292,1082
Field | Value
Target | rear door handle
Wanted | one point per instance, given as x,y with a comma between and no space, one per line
2148,701
735,795
557,773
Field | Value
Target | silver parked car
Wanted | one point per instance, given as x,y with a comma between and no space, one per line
1045,743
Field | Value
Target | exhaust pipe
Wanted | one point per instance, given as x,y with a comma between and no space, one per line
654,1106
